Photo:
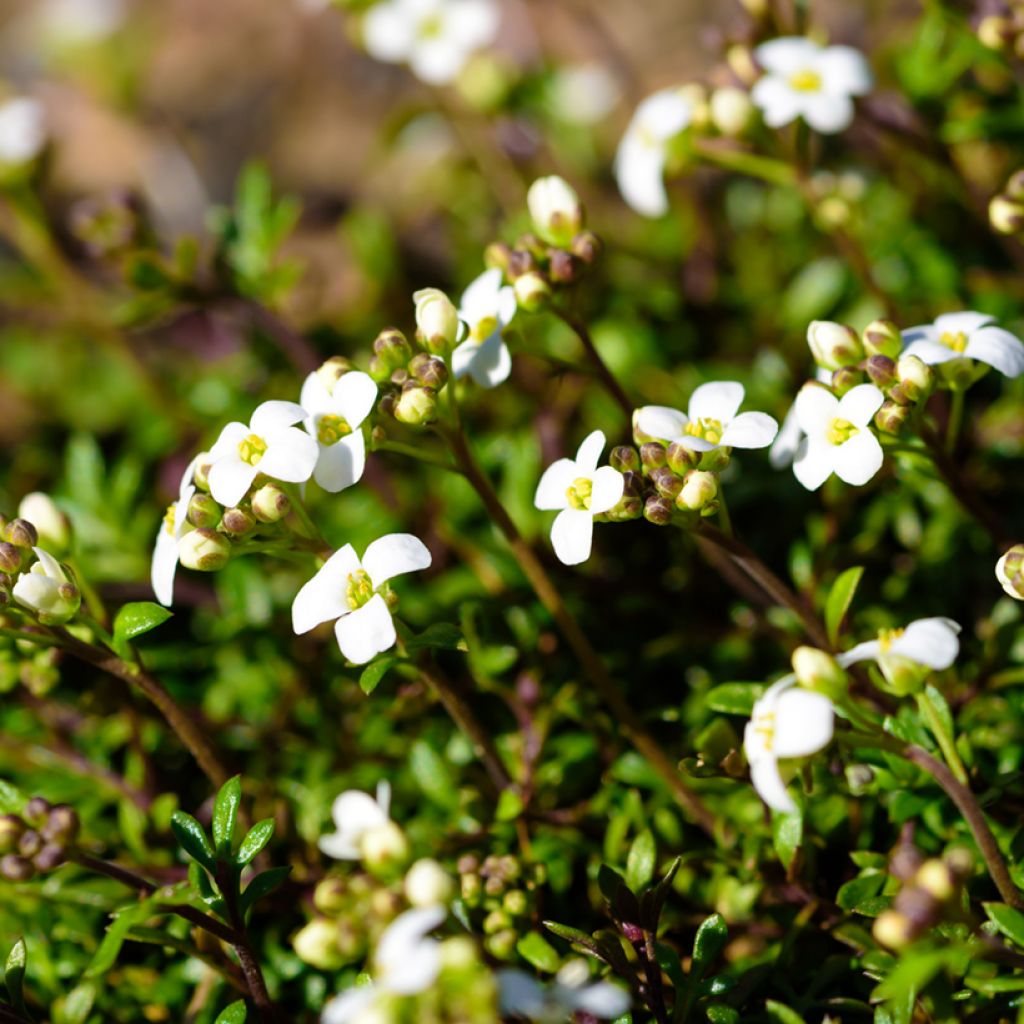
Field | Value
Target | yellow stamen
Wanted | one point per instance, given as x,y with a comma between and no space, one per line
805,81
707,428
169,518
252,449
957,342
887,637
331,429
764,726
579,493
432,27
358,589
840,431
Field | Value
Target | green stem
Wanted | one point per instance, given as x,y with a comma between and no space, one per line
945,741
610,381
723,515
301,512
412,452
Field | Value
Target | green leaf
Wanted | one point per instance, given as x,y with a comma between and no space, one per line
192,839
263,884
719,1013
708,944
225,814
444,636
14,975
117,931
579,939
787,835
782,1013
538,952
734,698
432,774
76,1006
859,889
234,1014
640,862
839,600
135,619
12,800
255,839
1009,921
510,806
375,672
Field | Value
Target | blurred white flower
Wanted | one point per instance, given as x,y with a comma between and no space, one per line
79,22
571,992
803,79
270,445
348,590
52,525
1009,572
47,590
434,37
584,94
555,210
22,130
934,643
712,420
640,161
356,814
580,491
787,721
966,336
165,552
487,307
335,419
839,438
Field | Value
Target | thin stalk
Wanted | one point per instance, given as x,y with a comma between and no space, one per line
945,741
588,658
723,516
610,381
412,452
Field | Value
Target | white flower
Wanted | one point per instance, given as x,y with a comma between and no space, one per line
165,552
555,210
803,79
712,420
584,93
47,590
933,643
581,491
52,525
1008,572
434,37
271,444
22,130
80,22
786,722
839,438
640,161
347,589
405,962
966,336
523,996
335,419
787,441
356,814
487,307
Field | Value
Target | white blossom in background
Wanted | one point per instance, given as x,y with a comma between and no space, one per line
47,590
270,445
22,130
712,420
434,37
1008,572
640,160
406,961
571,992
555,209
933,643
804,79
787,721
584,93
79,22
838,435
334,417
164,564
348,590
967,335
579,490
356,816
487,307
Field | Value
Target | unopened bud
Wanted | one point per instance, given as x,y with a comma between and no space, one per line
1006,215
1010,572
385,849
834,345
624,458
51,856
891,417
205,550
555,210
515,902
817,670
203,510
52,526
532,291
995,31
917,378
892,929
15,868
331,371
658,510
520,262
270,504
653,456
587,247
11,828
883,338
846,378
666,483
30,843
731,110
429,370
935,877
740,59
682,459
1014,187
496,256
882,371
437,320
236,522
391,351
21,533
61,825
427,884
317,945
417,405
201,471
563,267
37,810
11,558
109,224
699,489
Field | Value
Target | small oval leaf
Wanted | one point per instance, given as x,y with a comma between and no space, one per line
839,599
256,838
192,839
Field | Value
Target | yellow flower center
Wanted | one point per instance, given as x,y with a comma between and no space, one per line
764,726
432,27
169,518
887,637
358,589
252,449
579,493
805,81
840,431
331,429
957,342
707,428
484,328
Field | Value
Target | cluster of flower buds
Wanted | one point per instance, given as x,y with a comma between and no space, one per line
498,889
413,376
1006,210
29,574
1010,572
1003,28
556,254
929,892
110,225
39,840
874,356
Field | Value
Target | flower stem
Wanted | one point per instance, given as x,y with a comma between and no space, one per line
945,741
610,381
412,452
723,515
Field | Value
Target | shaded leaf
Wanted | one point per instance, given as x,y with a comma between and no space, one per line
225,814
192,838
839,599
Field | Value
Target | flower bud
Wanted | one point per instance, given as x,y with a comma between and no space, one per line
630,506
731,110
317,945
563,267
586,247
653,456
935,877
882,371
429,370
845,379
15,868
37,810
205,550
385,849
11,829
30,843
236,522
1010,572
917,378
515,902
666,483
332,371
201,471
502,945
203,510
11,559
682,459
740,59
391,350
47,590
658,510
52,526
995,31
892,929
555,210
21,533
427,884
51,856
883,338
624,458
437,320
699,488
496,256
532,291
834,345
534,247
270,504
891,417
816,670
458,954
1014,187
417,405
520,262
61,825
110,224
1006,215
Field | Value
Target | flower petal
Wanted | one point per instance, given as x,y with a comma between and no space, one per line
275,415
164,566
815,409
787,441
572,534
404,934
348,1007
998,348
291,455
804,723
491,362
750,430
813,463
860,404
354,812
663,114
856,461
555,481
230,478
828,113
933,642
787,54
930,352
341,465
322,598
388,32
661,422
353,397
394,555
602,999
480,299
718,400
438,61
230,437
778,102
639,172
868,651
608,485
314,397
765,777
366,632
589,452
846,70
966,323
473,23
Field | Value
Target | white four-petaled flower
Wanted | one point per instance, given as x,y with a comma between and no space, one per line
335,419
580,491
271,444
47,590
434,37
803,79
966,336
933,642
787,721
356,814
571,992
712,420
348,590
640,160
487,307
839,438
165,552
